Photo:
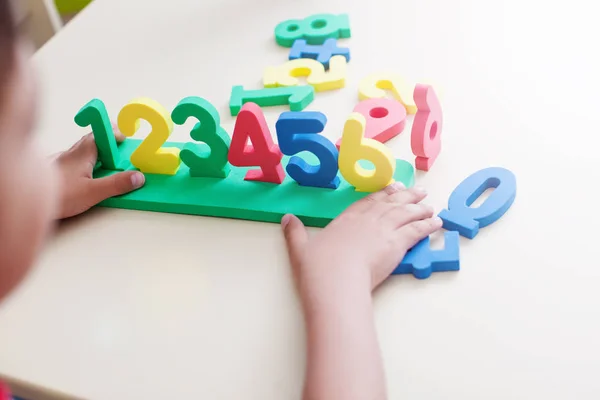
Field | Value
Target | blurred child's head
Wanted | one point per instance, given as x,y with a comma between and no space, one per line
27,184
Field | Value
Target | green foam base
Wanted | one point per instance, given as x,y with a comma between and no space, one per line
233,197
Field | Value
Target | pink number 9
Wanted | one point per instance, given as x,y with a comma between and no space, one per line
426,136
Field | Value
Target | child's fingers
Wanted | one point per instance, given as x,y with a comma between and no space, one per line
84,148
394,201
410,234
296,236
118,134
408,196
401,215
113,185
368,201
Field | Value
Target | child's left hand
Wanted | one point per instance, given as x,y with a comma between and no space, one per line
80,191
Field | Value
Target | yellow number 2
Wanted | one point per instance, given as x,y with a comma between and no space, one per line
149,157
355,147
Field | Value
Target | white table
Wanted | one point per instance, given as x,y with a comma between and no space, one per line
120,306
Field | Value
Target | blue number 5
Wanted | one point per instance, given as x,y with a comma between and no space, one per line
299,131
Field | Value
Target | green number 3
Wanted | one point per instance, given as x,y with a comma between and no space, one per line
202,161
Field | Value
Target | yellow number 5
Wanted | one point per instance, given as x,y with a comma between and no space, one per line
149,157
355,147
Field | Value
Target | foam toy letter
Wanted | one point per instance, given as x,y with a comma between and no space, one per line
298,132
385,118
355,147
297,97
94,114
251,125
150,157
467,220
286,74
375,85
322,53
315,29
421,260
426,137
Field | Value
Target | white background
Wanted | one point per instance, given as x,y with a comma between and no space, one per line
121,305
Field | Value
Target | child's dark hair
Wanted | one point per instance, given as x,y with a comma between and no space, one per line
8,38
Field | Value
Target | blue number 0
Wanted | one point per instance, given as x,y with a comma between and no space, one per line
299,131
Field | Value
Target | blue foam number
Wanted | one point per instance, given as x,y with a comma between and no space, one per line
421,261
322,53
299,131
461,217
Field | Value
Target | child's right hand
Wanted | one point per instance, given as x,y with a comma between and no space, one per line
366,242
336,271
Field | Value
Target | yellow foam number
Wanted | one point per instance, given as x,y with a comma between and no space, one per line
287,74
355,147
375,85
149,157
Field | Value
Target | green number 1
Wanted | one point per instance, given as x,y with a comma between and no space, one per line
94,113
202,161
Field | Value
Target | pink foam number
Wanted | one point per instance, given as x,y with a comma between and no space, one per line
426,135
261,152
385,118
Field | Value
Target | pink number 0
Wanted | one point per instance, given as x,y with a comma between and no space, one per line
426,136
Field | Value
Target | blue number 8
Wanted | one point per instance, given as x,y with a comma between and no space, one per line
299,131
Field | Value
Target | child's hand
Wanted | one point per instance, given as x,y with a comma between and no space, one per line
367,241
336,271
79,191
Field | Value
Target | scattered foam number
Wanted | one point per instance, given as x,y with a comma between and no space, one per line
375,85
287,73
203,161
426,136
421,260
251,125
94,114
322,53
355,147
149,157
385,119
467,220
314,29
299,131
297,97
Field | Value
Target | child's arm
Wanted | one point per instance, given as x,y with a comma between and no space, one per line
336,271
79,192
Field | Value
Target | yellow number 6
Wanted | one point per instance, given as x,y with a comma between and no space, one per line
355,147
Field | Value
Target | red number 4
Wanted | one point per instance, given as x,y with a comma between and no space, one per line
262,151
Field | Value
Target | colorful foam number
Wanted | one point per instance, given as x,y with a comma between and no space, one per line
467,220
385,119
355,147
263,152
315,29
299,131
209,160
94,114
286,74
426,136
375,85
322,53
149,157
421,260
298,97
